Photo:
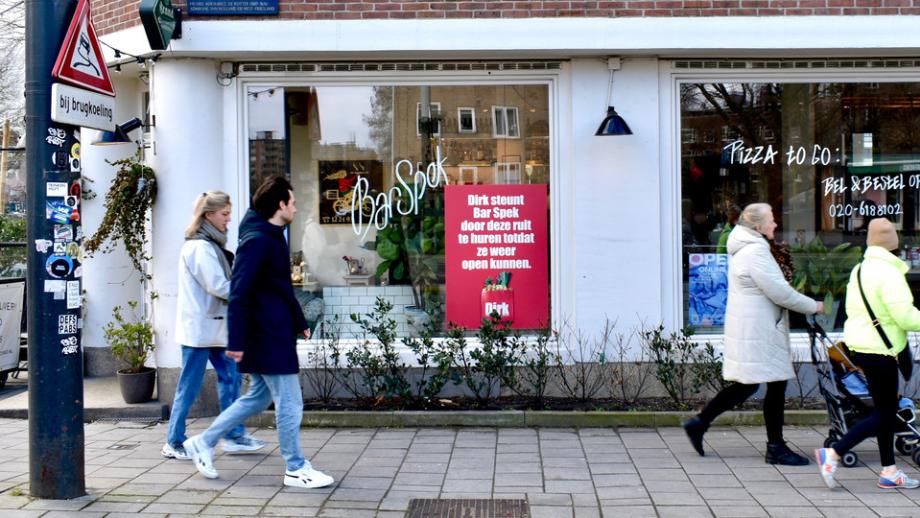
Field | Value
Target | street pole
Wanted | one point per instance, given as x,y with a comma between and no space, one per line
56,433
3,155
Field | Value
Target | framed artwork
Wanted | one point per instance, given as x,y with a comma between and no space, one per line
337,180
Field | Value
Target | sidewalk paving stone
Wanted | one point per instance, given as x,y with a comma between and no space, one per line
586,473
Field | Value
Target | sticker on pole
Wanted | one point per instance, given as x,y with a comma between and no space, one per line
80,60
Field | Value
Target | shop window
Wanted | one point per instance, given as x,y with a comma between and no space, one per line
376,212
505,122
828,157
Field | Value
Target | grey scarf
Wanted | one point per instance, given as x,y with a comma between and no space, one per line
208,232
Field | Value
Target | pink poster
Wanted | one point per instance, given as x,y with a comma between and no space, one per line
497,254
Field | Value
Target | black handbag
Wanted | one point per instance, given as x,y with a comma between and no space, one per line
905,359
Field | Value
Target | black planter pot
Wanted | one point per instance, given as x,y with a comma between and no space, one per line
137,387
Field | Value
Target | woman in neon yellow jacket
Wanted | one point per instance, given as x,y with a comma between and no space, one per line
887,292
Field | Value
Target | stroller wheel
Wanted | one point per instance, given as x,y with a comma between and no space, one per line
906,448
849,459
830,441
915,456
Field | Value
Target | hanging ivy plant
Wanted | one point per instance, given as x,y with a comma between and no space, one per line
127,205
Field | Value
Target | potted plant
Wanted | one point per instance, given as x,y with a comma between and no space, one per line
412,249
823,272
131,342
127,206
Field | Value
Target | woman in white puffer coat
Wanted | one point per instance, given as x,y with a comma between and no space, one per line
201,322
757,346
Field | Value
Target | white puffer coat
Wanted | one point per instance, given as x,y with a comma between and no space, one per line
756,322
201,309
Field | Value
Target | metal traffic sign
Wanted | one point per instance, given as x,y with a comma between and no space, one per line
80,61
70,105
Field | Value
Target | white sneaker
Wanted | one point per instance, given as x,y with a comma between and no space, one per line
245,443
171,452
308,478
201,455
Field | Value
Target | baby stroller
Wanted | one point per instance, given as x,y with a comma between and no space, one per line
846,393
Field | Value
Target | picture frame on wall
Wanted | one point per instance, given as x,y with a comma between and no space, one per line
337,181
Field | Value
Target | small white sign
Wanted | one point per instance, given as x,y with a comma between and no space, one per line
52,286
78,107
56,189
73,294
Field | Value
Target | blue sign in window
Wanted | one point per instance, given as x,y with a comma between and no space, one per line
232,7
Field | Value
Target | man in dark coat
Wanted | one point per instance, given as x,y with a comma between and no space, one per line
264,319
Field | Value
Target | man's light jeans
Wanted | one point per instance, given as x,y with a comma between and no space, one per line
284,390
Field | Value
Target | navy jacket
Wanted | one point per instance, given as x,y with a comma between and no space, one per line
264,317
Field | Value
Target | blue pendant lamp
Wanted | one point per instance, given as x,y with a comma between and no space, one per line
612,124
120,135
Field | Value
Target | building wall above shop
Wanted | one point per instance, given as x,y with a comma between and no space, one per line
115,15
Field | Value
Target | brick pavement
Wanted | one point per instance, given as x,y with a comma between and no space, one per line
561,472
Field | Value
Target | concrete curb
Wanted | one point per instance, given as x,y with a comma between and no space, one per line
527,418
466,418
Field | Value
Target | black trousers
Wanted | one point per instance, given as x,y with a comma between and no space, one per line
774,404
881,373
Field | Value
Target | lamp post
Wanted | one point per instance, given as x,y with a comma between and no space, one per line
56,437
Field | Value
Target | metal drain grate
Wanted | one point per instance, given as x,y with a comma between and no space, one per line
467,508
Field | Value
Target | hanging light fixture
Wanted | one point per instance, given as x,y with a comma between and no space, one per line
612,124
120,135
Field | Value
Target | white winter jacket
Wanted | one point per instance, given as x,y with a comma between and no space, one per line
756,322
201,312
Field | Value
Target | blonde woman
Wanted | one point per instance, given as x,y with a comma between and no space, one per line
756,333
201,322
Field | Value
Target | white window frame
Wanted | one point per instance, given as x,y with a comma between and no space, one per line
562,277
505,111
472,112
435,108
670,79
507,173
472,170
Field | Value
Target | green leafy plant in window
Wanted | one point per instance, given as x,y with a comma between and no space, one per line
824,272
412,249
127,207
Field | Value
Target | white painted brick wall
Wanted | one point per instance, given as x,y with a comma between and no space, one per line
343,301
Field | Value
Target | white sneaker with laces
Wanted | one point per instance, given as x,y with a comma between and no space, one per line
245,443
201,455
171,452
308,478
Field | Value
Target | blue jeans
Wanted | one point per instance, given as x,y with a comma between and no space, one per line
284,390
194,361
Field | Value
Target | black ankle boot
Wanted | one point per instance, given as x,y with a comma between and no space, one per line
695,428
781,454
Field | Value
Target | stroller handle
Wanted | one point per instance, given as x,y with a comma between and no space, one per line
813,327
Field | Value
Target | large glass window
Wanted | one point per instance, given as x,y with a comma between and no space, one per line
828,157
351,151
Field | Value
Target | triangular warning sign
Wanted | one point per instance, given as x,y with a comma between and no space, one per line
80,60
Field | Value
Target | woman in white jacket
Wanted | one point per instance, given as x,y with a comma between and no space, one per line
201,322
757,346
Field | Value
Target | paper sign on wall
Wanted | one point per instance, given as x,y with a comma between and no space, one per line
497,255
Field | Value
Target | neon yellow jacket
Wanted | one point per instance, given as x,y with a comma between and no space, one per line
891,300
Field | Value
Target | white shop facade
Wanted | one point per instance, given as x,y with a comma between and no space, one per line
719,118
